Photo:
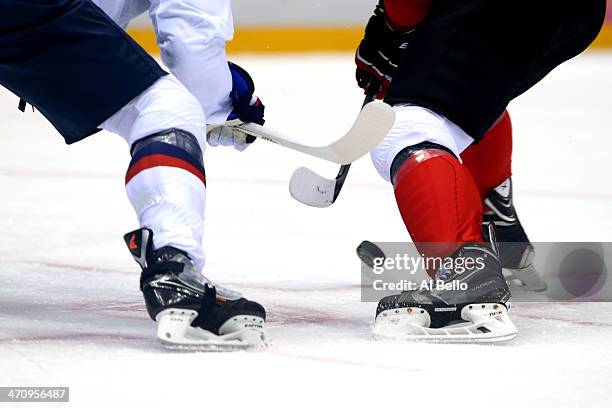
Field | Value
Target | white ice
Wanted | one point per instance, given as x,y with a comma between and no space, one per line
71,313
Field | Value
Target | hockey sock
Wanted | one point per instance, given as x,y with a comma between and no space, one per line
437,198
165,183
490,161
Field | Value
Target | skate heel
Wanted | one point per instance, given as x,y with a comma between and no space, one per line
173,325
404,323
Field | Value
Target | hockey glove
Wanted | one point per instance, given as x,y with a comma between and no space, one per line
380,52
246,108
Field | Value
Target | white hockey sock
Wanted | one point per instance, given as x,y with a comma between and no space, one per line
164,182
169,195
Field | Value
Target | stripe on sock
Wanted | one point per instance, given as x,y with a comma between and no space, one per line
159,154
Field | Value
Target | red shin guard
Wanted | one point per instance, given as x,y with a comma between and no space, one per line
438,201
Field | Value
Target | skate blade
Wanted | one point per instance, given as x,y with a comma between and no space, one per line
485,323
174,332
208,342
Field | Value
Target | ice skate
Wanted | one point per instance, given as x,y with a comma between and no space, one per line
515,251
473,305
191,313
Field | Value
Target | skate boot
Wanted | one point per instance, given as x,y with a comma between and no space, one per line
457,307
515,250
190,311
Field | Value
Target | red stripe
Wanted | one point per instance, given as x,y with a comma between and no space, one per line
157,160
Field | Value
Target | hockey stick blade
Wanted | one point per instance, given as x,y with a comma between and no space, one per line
371,125
314,190
308,187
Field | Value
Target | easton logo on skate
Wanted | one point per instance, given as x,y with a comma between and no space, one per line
133,245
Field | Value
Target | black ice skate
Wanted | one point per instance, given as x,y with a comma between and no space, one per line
471,305
191,313
515,250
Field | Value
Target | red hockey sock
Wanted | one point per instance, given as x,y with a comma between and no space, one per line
438,201
490,161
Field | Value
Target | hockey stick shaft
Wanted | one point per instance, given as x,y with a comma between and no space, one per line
312,189
345,168
371,125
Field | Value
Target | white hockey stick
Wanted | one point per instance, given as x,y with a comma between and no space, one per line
310,188
372,124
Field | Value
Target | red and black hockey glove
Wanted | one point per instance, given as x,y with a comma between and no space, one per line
379,52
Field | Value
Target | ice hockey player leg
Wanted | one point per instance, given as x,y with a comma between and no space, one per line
465,307
189,310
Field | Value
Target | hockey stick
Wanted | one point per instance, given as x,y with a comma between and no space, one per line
314,190
371,125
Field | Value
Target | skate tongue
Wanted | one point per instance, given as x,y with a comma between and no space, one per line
139,242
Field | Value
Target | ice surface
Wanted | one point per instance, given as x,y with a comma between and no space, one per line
71,313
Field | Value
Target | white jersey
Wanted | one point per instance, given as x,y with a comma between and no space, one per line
191,35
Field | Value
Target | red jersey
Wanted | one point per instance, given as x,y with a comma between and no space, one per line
404,14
